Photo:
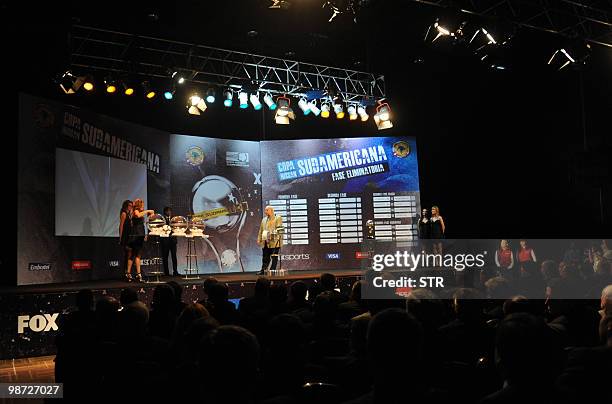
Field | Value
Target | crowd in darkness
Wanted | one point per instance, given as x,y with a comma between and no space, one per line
299,344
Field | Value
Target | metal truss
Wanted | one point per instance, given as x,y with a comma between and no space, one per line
118,53
590,20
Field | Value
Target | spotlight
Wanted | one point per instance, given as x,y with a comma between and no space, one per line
313,107
270,102
383,117
148,91
176,76
169,94
255,102
325,110
111,85
127,89
228,95
362,113
210,95
352,111
196,104
88,84
284,111
339,111
575,53
450,27
69,83
303,104
243,97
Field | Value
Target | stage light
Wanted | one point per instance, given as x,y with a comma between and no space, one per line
111,85
303,104
169,94
211,95
128,89
450,26
325,110
362,113
339,111
243,97
255,102
284,111
176,76
88,84
228,96
148,91
383,117
70,83
313,107
352,111
574,53
196,104
269,102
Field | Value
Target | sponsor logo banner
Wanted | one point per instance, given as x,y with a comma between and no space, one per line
39,266
79,265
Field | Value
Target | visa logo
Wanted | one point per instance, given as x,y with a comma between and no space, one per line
332,256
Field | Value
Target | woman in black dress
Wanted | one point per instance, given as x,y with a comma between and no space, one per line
437,229
137,236
424,228
125,225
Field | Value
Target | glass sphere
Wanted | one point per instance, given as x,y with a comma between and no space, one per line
178,223
220,200
197,223
156,222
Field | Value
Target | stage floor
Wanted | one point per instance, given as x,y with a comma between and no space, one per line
118,283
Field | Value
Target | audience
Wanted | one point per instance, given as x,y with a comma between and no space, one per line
295,345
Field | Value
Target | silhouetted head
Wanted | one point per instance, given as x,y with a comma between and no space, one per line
85,300
328,281
128,296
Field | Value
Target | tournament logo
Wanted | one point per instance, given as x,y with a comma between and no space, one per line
43,117
195,155
401,149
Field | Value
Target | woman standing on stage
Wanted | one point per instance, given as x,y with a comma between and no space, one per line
137,237
437,229
526,257
504,259
424,229
125,225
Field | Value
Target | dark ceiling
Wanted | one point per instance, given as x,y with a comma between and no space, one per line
508,145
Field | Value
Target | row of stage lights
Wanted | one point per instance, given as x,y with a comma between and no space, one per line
197,103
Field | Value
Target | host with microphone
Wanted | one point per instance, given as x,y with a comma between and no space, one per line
270,239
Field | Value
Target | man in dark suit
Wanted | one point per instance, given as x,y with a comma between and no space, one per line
168,245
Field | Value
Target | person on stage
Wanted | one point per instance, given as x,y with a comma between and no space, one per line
125,224
437,229
168,245
137,237
269,239
504,259
526,257
424,228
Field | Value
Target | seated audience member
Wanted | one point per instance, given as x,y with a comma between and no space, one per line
229,365
178,296
298,305
587,371
605,302
354,306
206,286
389,333
527,360
219,307
328,284
163,312
128,296
278,299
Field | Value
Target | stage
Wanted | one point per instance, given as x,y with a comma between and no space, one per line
31,313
